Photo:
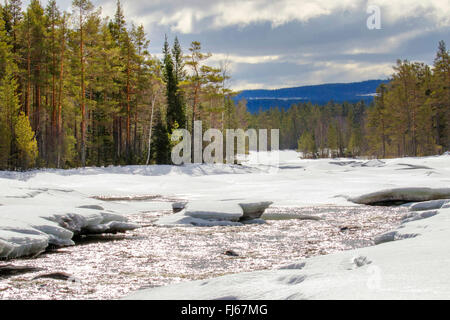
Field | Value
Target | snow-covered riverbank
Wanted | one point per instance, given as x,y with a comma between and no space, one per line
114,266
417,267
49,207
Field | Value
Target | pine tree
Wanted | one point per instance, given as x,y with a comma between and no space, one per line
195,61
440,96
84,8
26,142
53,20
332,140
9,103
161,143
142,79
36,20
307,145
6,57
179,76
175,113
13,12
377,121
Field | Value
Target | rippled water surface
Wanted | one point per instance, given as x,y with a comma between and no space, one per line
110,267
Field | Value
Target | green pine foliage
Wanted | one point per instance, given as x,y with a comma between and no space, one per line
307,145
161,142
77,89
173,74
26,142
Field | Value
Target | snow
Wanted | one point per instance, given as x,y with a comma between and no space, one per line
294,182
218,213
429,205
31,221
50,206
415,268
402,195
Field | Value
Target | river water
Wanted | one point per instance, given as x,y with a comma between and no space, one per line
112,266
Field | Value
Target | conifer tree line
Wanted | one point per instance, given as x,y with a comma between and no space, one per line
77,89
410,116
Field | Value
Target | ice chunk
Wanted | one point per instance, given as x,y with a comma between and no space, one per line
15,244
178,206
393,236
28,230
415,216
374,163
209,210
35,225
401,196
428,205
254,210
92,207
181,219
111,227
216,213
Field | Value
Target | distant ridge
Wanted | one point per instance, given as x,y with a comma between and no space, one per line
318,94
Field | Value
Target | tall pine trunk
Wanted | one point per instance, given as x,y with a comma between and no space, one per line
61,84
83,96
151,131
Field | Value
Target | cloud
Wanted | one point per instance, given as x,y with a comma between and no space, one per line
198,15
234,60
280,43
284,43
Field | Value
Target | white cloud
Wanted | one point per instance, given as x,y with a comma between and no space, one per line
186,16
347,72
311,41
235,59
389,44
245,85
436,10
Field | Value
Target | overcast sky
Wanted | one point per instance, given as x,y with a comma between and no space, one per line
283,43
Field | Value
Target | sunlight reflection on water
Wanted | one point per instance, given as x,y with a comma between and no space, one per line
110,267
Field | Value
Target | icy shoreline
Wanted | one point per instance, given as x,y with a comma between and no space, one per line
49,207
113,266
28,231
414,268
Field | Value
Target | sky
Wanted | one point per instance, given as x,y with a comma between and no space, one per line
285,43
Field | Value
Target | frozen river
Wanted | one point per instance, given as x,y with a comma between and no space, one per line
110,267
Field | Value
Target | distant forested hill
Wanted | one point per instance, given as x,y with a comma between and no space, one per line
319,94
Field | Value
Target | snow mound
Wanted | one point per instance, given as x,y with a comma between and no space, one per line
359,164
28,230
374,163
393,236
429,205
253,211
215,213
414,216
401,196
137,170
178,206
